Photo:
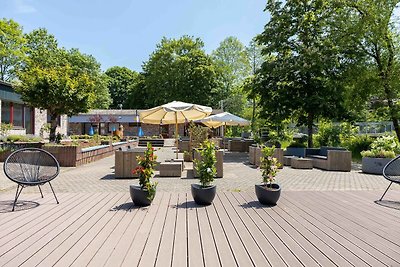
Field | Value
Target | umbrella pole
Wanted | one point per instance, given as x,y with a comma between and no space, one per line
176,134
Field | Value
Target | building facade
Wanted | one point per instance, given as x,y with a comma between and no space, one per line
24,119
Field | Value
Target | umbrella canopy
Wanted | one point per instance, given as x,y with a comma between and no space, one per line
174,112
225,118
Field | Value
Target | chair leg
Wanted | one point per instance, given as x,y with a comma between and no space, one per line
54,193
17,193
40,191
386,191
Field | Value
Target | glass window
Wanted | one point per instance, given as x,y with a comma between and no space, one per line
18,115
5,112
28,120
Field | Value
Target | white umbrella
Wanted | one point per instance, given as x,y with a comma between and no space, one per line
224,119
173,113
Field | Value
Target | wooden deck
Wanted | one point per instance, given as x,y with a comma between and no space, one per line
336,228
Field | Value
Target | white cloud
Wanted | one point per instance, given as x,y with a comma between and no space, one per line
23,6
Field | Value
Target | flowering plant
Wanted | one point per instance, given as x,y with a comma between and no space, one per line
145,169
269,166
382,147
206,166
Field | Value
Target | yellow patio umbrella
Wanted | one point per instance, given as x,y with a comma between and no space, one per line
174,112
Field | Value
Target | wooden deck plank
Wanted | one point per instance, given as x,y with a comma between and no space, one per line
135,251
180,249
235,242
249,240
366,233
121,249
128,213
164,257
195,250
356,245
91,209
211,257
315,236
46,206
329,236
99,239
224,250
150,251
286,238
24,235
76,244
241,207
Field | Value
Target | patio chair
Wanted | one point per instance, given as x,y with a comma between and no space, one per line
31,167
392,173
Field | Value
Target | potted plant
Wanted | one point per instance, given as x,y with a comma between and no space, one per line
383,149
187,156
144,193
204,193
269,192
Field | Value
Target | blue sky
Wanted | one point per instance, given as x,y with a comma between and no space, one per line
125,32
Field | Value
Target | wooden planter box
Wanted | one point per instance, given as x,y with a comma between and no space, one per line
125,162
73,156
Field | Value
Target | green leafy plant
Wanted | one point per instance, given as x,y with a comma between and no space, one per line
145,169
357,143
5,128
206,166
383,147
269,166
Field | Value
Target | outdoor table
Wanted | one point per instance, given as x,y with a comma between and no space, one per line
301,163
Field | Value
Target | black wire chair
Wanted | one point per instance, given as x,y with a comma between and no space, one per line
392,173
31,167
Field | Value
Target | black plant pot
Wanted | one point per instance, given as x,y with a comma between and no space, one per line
203,195
268,195
139,196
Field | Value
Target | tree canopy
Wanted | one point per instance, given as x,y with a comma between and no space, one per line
179,69
12,49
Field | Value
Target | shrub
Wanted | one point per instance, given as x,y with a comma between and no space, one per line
357,143
269,165
383,147
145,169
206,166
296,143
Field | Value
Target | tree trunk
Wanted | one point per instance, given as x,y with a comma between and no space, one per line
310,120
253,115
392,110
53,126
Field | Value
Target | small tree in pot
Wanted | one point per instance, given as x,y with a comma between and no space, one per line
144,194
269,192
204,192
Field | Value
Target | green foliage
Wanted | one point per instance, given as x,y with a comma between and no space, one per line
301,74
297,143
383,147
269,165
233,63
145,170
179,69
198,135
122,83
356,144
22,138
206,166
12,50
5,128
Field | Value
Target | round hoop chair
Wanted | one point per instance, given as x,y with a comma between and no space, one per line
31,167
392,173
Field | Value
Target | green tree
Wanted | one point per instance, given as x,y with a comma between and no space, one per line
120,84
12,49
179,69
233,62
58,80
370,29
301,75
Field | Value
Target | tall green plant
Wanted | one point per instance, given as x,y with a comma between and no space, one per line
269,166
206,166
145,169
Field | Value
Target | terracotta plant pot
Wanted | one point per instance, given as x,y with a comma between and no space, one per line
203,195
139,196
268,195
